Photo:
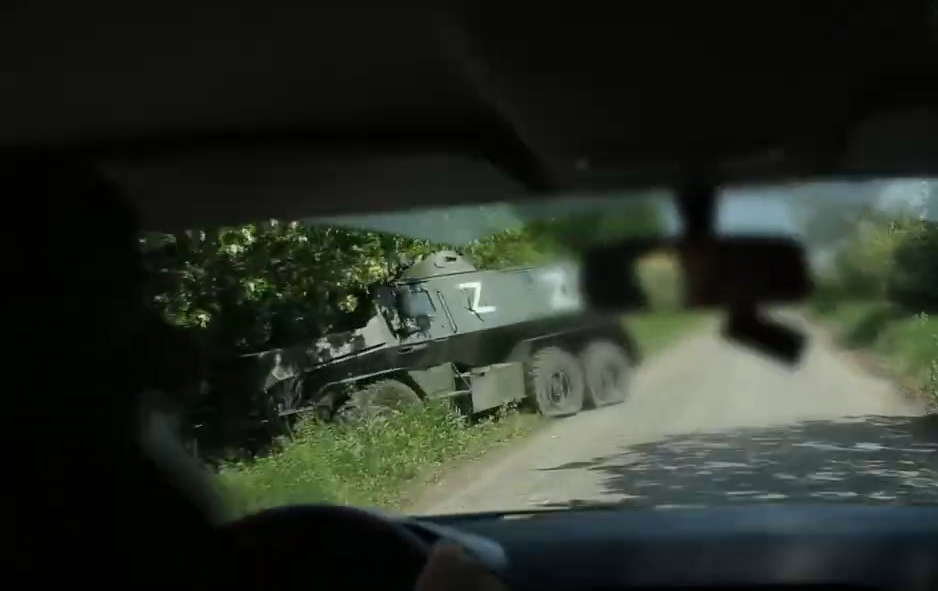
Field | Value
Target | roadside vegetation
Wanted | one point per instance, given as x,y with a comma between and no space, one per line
242,290
880,293
372,462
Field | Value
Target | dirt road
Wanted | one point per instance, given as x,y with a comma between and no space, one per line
708,423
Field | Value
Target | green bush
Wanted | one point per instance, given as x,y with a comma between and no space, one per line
863,265
885,278
913,277
893,259
825,301
932,381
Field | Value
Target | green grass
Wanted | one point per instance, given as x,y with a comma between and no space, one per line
375,462
655,331
908,342
366,464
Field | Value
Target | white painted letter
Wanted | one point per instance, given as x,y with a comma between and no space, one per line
476,288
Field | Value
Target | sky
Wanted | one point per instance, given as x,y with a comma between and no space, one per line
754,210
774,209
745,214
917,195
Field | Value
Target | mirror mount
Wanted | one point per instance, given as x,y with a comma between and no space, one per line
697,204
738,274
741,276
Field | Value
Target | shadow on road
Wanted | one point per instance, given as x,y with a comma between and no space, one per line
869,459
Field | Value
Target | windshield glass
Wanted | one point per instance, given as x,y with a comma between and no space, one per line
444,361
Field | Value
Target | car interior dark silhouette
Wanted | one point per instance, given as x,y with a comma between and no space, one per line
200,112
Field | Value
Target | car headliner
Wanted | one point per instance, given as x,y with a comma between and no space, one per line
237,109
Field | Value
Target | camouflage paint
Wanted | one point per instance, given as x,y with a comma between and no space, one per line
475,325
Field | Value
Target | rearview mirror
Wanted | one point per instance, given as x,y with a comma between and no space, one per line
728,272
744,271
738,274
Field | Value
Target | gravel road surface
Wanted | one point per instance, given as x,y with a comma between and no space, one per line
708,423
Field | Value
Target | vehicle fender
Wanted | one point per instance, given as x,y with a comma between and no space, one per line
616,333
397,373
577,338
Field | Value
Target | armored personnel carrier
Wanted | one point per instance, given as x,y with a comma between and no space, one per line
444,328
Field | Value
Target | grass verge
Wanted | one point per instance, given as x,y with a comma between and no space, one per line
655,331
906,342
377,463
366,464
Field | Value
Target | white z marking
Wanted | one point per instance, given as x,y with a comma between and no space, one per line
476,288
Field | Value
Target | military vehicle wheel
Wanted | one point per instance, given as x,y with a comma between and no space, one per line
555,380
606,367
375,399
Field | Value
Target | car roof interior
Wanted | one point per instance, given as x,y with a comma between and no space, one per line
291,108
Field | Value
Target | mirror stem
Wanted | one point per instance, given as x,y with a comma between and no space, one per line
697,203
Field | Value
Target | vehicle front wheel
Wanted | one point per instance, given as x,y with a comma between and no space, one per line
607,369
376,399
555,381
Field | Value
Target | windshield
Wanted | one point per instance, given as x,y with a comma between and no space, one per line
444,361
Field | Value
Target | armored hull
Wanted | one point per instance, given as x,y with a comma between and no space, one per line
446,329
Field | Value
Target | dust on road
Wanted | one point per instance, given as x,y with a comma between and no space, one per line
708,423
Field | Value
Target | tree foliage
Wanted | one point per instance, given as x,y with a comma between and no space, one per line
574,234
267,285
913,279
274,284
890,257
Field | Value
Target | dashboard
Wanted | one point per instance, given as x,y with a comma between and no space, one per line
764,546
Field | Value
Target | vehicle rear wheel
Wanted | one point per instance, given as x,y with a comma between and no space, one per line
376,399
555,381
607,369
